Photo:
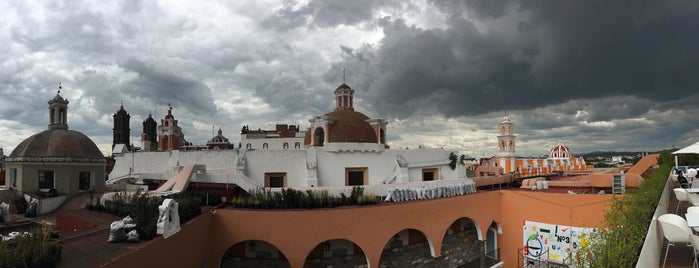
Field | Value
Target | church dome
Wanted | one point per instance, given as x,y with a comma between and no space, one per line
58,145
349,126
219,138
560,151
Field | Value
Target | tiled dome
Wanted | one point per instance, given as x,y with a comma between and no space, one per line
560,151
57,145
349,126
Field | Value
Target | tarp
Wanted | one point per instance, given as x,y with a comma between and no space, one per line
691,149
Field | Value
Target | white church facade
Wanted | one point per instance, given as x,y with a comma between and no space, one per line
341,148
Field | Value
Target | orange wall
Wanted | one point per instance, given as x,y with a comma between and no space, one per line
296,232
561,209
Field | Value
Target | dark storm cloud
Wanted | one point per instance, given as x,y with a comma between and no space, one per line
558,51
159,85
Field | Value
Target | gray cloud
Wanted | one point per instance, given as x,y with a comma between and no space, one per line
597,76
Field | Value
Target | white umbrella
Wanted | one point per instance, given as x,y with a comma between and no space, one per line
691,149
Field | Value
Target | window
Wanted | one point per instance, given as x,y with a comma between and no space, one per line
84,180
275,179
248,146
491,243
430,174
286,145
265,146
297,145
356,176
46,179
320,136
13,177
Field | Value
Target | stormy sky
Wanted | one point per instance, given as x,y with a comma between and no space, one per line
595,75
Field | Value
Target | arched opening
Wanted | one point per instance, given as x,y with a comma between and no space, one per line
491,243
165,139
297,145
286,145
336,253
406,248
265,146
253,253
248,146
320,136
492,252
460,245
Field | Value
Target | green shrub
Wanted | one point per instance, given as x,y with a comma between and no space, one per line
628,219
37,250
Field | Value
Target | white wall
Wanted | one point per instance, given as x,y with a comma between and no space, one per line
330,167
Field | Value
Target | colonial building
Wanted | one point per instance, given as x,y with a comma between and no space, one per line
560,158
282,137
342,148
121,131
58,160
170,135
344,126
219,142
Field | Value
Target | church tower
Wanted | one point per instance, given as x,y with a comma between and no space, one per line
121,129
170,137
58,111
506,145
149,137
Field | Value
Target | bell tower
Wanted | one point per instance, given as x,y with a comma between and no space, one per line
121,129
58,111
506,145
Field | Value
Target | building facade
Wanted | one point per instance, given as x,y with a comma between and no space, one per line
57,160
559,160
341,148
283,137
170,135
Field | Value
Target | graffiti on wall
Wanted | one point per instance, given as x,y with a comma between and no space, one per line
556,243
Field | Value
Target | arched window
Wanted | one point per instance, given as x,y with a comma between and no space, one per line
297,145
264,146
286,145
248,146
491,243
320,136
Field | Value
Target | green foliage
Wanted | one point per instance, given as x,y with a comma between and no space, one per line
144,209
452,160
628,219
291,198
35,250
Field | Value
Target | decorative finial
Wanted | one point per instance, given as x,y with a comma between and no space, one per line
343,75
169,105
59,87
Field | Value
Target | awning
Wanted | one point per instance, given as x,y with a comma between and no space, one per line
691,149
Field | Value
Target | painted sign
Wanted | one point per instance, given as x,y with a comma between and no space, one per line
555,243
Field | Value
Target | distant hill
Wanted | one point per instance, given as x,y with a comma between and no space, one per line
612,153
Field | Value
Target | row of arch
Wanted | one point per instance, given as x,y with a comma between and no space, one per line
285,146
461,239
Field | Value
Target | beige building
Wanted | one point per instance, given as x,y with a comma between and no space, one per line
57,161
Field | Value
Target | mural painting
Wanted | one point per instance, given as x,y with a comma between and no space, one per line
556,244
